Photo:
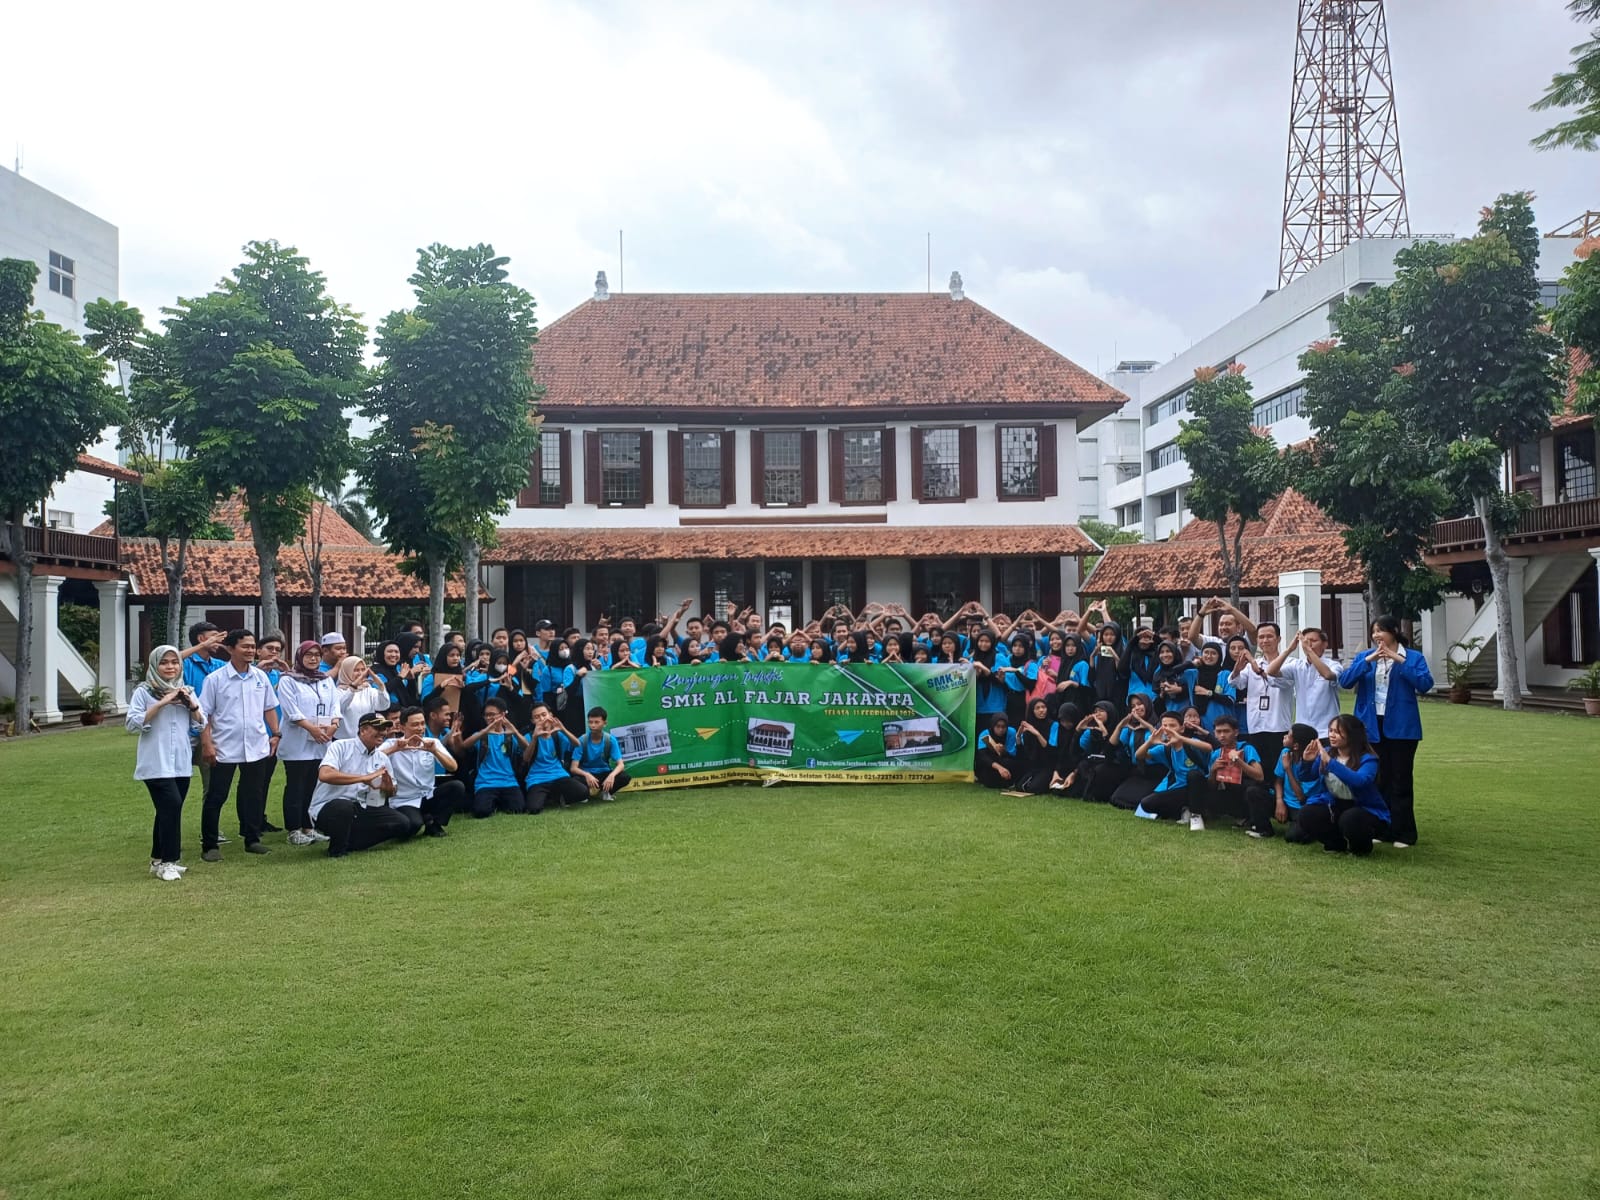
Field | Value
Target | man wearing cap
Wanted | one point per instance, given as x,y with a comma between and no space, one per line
350,804
333,650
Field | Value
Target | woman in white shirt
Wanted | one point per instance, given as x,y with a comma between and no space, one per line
357,696
311,716
162,713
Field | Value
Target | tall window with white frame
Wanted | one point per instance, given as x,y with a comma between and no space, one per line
550,467
863,466
782,463
621,473
702,468
63,275
1020,477
941,464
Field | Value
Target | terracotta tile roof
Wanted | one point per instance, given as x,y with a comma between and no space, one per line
1192,569
99,466
745,542
1292,535
807,352
1287,515
229,570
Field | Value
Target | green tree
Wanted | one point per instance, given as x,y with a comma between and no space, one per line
1106,534
1370,468
265,366
1578,88
54,403
1482,375
1576,321
1235,469
455,396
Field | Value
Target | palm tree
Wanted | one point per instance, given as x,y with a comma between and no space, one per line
350,502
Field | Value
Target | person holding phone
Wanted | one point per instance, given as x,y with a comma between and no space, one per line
1387,681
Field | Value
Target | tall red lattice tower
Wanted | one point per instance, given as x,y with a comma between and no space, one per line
1344,180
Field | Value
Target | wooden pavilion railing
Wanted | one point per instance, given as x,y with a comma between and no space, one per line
66,546
1574,518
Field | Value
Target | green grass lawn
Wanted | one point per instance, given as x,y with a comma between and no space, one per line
797,992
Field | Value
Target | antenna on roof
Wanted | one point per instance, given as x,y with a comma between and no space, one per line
622,280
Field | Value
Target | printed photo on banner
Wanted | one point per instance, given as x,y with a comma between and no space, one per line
916,735
775,739
644,740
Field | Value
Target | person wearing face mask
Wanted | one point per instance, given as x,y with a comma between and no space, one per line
163,712
357,696
1387,681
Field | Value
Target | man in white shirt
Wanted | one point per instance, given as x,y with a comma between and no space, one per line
240,736
1315,676
350,804
1231,623
1268,700
415,762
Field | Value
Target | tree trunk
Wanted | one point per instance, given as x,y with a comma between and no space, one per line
174,574
469,569
316,598
1374,601
1230,570
436,590
23,662
1508,641
1236,569
267,558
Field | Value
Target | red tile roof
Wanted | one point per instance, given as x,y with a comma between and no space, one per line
745,542
334,529
229,570
1292,535
99,466
840,351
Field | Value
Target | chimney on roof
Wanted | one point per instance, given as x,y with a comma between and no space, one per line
602,291
955,286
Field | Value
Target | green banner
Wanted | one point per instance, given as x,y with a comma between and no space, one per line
808,722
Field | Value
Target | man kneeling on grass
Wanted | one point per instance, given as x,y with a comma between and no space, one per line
599,759
416,761
353,784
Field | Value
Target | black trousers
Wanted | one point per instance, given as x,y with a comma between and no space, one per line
563,791
165,836
1397,760
251,801
266,786
1169,805
486,801
350,826
622,780
1135,788
430,810
449,797
299,781
1353,829
1269,747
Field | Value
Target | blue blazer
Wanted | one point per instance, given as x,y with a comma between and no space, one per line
1407,680
1363,780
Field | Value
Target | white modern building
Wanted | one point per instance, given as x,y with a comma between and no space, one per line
77,255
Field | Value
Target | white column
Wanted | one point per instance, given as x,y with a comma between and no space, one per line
1299,601
1516,583
113,664
1435,633
46,641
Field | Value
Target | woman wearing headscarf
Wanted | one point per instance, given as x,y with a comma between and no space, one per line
163,713
1105,665
446,675
393,673
1140,664
502,684
357,696
310,702
1174,680
987,662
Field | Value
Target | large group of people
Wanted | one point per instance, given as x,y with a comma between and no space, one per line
1172,724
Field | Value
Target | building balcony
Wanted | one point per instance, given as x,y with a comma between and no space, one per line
64,548
1574,521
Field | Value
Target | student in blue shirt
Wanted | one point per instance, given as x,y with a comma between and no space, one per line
1020,673
1235,781
598,762
995,762
1179,757
547,761
1211,686
1387,681
1138,779
1174,680
1358,815
987,661
1297,782
1040,747
495,787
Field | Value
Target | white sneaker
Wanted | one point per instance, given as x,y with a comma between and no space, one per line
605,795
296,838
316,835
223,839
168,872
178,867
1402,845
155,863
1183,817
1197,823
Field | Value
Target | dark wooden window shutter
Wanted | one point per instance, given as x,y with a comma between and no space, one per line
730,490
758,467
566,472
890,490
591,467
674,467
836,465
816,588
528,497
1050,585
808,464
969,579
969,462
1047,468
647,480
916,464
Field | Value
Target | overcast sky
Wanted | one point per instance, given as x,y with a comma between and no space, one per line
1108,174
